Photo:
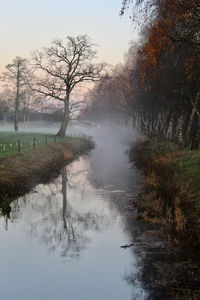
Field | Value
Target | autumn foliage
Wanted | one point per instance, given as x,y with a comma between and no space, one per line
157,90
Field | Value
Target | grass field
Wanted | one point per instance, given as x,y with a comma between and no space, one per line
12,143
190,163
19,173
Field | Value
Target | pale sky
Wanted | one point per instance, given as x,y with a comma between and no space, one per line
27,25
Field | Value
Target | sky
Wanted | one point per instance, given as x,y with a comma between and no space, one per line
27,25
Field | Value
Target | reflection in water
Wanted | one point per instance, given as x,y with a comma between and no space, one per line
78,218
75,222
53,220
67,224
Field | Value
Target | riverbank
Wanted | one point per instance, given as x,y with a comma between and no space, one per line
12,143
170,201
19,173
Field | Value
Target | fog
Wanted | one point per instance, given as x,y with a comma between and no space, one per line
109,162
80,221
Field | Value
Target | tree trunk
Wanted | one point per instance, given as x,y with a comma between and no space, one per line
65,120
64,192
28,116
174,128
5,117
165,125
189,127
16,113
17,104
196,139
179,130
186,127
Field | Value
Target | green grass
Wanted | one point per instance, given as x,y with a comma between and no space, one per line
189,166
172,174
19,173
190,163
9,142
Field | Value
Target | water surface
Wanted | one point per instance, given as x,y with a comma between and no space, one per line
63,240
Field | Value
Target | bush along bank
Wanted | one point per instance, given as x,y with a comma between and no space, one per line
170,200
20,173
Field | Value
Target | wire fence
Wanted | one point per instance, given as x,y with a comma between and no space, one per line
16,145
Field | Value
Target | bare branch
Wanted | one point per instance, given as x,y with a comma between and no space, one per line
62,67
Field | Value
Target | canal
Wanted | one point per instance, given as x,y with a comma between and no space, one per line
63,240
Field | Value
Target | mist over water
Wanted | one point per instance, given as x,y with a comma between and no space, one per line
32,126
63,239
109,161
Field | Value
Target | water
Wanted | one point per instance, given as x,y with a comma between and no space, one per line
63,240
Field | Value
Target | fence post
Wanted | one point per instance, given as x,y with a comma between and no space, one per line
19,147
46,140
54,140
34,143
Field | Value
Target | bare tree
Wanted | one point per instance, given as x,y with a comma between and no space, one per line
15,76
61,68
5,103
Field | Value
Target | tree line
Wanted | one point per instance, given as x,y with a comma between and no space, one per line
157,89
52,74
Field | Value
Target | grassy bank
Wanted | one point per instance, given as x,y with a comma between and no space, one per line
170,200
18,142
19,173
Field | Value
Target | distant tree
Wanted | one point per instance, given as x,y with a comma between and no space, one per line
15,77
111,98
61,68
25,106
5,104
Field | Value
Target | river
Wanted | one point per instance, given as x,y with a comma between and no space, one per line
63,240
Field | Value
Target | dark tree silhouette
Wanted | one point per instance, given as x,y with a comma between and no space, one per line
16,77
62,68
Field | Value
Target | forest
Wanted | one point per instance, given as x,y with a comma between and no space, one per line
157,89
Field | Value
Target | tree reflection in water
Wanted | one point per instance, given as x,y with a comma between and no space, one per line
48,215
